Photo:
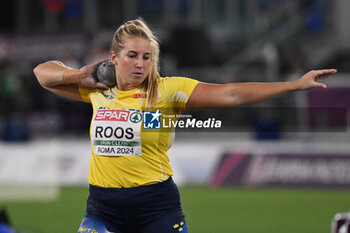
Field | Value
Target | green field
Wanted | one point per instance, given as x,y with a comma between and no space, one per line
223,210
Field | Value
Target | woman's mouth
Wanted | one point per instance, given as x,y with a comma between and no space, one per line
138,74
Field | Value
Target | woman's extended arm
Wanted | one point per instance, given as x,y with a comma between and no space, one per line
63,80
236,94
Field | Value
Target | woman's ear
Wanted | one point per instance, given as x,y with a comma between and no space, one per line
113,57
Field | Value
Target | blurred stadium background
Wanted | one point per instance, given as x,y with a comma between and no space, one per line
282,166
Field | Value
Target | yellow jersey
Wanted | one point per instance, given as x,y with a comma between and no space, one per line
128,146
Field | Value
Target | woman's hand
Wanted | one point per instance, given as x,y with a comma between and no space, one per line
89,80
309,80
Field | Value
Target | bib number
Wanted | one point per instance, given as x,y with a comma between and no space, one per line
116,132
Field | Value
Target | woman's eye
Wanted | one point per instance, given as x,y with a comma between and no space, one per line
146,58
132,56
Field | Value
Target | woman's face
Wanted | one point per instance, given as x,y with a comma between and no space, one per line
132,63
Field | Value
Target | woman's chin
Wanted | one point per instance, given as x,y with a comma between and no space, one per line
137,81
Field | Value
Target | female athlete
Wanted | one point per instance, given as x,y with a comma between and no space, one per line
130,178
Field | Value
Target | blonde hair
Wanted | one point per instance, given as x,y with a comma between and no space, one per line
138,28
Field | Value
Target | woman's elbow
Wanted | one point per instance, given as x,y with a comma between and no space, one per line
38,75
36,71
48,74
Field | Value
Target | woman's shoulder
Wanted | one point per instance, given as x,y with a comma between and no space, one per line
175,79
177,85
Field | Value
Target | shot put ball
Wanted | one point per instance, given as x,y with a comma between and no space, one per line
105,73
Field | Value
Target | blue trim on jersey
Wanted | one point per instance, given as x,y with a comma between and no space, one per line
5,228
90,225
184,230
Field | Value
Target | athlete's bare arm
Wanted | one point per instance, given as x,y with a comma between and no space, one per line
64,81
236,94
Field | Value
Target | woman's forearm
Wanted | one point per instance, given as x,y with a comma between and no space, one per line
54,73
251,93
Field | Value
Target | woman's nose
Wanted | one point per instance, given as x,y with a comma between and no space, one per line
139,63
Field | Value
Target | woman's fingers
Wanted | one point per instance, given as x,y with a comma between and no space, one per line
91,83
324,73
100,61
101,85
310,79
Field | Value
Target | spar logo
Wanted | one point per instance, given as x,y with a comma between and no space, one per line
118,115
112,115
151,120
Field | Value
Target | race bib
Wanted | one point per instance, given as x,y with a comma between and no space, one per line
116,132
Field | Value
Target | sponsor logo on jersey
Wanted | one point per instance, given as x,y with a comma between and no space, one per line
112,115
135,117
139,95
180,226
106,95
